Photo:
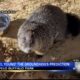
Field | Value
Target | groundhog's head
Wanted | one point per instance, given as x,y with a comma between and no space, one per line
31,38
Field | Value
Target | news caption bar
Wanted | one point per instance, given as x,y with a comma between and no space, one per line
50,66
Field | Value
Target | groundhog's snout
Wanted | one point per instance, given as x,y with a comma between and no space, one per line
24,47
24,42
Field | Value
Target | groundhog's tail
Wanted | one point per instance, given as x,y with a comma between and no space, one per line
73,27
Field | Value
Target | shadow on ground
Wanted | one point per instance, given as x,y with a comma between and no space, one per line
13,28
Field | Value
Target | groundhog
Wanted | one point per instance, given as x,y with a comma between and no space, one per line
46,25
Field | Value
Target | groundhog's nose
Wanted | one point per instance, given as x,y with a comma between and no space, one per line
29,51
26,50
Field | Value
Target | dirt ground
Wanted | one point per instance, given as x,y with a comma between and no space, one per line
8,41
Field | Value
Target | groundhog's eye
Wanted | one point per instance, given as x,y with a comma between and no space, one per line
32,39
24,39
